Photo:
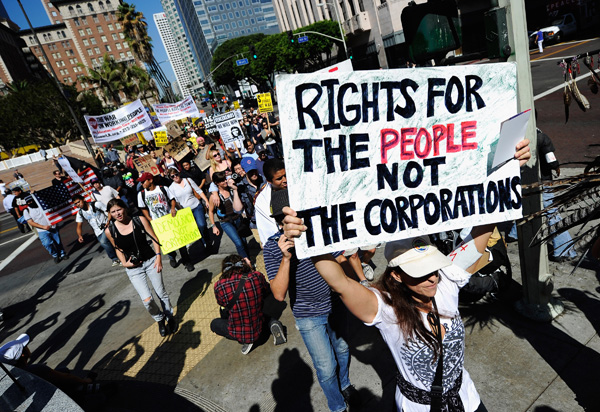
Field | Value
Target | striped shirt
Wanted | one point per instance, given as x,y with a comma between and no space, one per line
309,294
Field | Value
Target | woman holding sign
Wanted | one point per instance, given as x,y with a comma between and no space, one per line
141,262
414,305
188,194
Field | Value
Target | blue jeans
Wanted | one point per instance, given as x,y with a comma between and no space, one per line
108,247
230,228
198,213
324,346
559,243
51,241
139,279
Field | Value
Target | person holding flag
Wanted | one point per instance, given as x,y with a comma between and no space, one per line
48,233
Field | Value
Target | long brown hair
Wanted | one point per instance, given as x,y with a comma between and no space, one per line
398,296
234,264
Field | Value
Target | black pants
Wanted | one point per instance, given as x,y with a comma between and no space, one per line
22,227
481,408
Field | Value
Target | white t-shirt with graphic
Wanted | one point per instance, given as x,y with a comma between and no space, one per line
156,203
414,358
38,216
96,218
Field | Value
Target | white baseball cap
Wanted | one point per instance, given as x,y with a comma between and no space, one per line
417,257
11,352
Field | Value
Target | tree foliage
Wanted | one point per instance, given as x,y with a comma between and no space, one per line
36,113
135,30
275,53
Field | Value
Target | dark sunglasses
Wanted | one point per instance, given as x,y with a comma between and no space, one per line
173,175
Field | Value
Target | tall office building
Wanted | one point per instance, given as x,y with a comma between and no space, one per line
173,52
186,31
227,19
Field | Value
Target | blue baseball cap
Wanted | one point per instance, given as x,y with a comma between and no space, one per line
248,163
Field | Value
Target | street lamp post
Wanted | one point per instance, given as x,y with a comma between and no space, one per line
337,16
59,86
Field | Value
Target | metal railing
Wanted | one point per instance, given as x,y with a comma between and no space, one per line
27,159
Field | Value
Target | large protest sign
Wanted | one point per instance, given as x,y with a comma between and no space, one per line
265,105
130,140
209,125
229,128
177,148
120,123
160,136
146,164
176,232
175,111
64,163
374,156
173,129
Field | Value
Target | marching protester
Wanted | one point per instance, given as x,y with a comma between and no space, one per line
48,233
413,299
141,262
111,156
103,194
58,178
156,201
274,172
228,212
218,164
318,313
95,214
169,162
7,202
188,194
190,171
242,291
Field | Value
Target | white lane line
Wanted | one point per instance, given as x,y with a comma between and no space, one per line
17,252
550,91
12,240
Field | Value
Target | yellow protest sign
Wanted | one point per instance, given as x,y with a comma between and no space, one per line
265,105
194,143
160,137
236,104
175,232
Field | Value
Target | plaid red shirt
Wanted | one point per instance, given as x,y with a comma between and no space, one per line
245,317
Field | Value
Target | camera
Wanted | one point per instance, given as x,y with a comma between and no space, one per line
236,178
134,259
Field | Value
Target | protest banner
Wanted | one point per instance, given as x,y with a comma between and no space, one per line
160,136
64,163
118,124
177,148
209,125
375,156
173,129
176,232
265,105
146,164
343,66
229,129
22,183
131,140
167,112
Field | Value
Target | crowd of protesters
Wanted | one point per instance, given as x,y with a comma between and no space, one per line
241,190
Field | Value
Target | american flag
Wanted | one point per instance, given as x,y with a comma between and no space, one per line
55,201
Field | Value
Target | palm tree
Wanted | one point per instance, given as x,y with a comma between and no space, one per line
135,30
137,83
109,78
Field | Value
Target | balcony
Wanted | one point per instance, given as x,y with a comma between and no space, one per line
357,23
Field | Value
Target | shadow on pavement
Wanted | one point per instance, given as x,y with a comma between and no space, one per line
574,362
291,388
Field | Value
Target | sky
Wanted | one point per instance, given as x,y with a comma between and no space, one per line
37,15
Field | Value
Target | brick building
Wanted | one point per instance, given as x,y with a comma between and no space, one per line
81,32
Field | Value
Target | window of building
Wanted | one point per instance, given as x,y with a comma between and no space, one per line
94,62
71,10
106,17
100,29
249,12
90,7
215,18
108,3
101,5
88,31
54,14
198,3
244,13
101,59
237,14
107,46
58,56
233,24
78,9
97,50
242,31
114,36
118,46
219,27
93,40
122,55
252,21
95,18
114,16
241,3
212,8
227,27
68,44
267,9
201,13
234,5
224,16
221,8
125,45
54,55
118,25
121,36
86,42
128,54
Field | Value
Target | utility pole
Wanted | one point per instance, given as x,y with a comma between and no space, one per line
536,304
59,86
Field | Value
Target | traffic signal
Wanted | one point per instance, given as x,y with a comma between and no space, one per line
208,88
290,36
214,105
349,53
253,52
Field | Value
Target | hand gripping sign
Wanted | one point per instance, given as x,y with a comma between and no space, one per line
373,156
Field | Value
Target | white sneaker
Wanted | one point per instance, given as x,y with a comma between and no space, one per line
368,271
246,348
116,263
